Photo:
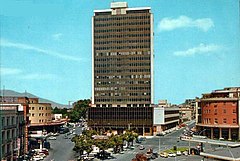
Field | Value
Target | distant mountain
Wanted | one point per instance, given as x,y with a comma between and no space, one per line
29,95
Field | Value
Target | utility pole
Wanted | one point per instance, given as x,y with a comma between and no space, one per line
159,145
189,151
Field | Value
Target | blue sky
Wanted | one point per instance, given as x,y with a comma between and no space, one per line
46,47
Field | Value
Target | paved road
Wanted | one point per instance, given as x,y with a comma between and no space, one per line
166,142
61,149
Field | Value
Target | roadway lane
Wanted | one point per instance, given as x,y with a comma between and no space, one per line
61,149
166,142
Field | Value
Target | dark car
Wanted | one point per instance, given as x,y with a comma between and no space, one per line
103,155
155,155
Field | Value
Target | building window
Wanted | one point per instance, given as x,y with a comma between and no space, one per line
13,120
215,121
224,111
224,120
32,108
215,111
39,108
234,121
32,114
234,110
3,121
7,121
13,134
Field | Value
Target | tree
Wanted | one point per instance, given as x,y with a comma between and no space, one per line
79,144
63,111
74,116
82,143
79,110
89,133
129,136
118,142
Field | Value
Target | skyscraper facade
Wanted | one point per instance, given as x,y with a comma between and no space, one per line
122,58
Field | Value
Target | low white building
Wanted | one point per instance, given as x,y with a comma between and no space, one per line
57,116
165,117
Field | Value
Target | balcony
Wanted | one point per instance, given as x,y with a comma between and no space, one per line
9,140
171,115
9,127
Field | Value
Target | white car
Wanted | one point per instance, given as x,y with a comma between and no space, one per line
170,154
185,153
141,147
56,134
52,138
179,153
37,157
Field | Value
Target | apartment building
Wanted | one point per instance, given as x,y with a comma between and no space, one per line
12,131
187,110
122,61
218,114
39,113
24,101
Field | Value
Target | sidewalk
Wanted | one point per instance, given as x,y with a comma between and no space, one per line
224,154
215,142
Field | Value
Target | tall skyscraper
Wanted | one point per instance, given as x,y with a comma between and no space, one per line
122,60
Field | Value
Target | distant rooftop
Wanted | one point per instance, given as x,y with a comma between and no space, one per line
119,5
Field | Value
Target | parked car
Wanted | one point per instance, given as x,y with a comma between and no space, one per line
164,155
141,147
52,138
185,153
43,152
154,155
170,154
161,134
37,157
56,134
179,153
141,138
149,151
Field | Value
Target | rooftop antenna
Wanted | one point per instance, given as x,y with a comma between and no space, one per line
3,93
25,93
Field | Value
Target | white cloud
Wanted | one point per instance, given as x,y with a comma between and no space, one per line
9,44
37,76
168,24
9,71
200,49
26,76
57,36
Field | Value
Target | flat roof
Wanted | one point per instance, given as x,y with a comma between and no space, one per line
128,9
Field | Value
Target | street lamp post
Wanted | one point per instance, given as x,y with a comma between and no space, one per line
129,126
201,132
230,152
159,145
189,150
